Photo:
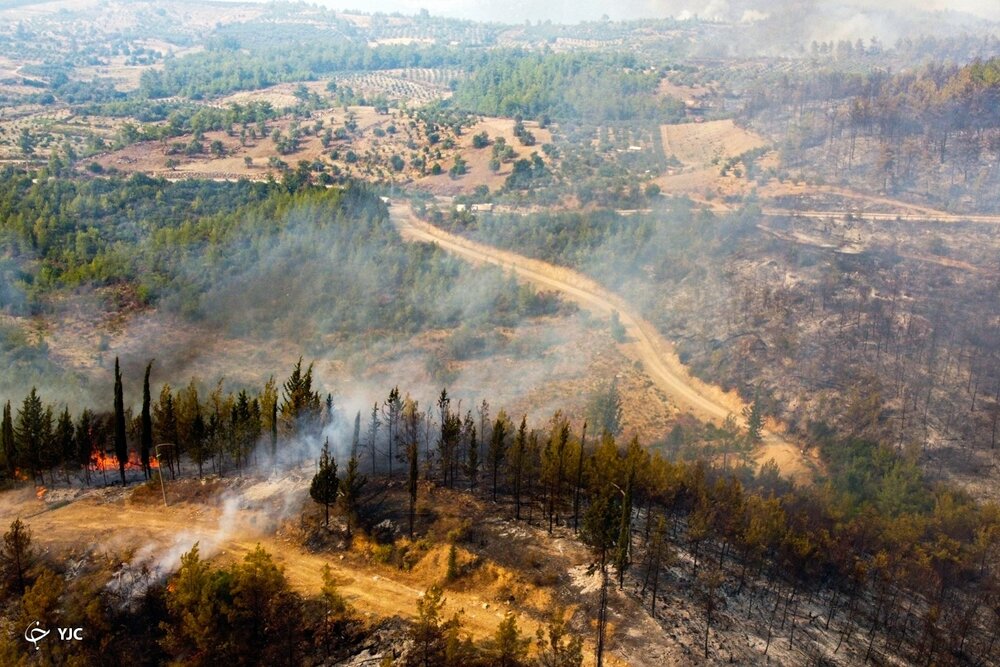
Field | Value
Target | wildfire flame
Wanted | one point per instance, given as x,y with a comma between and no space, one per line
40,492
103,461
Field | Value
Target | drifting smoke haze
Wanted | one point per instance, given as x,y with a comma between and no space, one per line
318,292
859,17
249,507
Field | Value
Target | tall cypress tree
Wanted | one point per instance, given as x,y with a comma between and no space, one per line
121,444
7,441
146,425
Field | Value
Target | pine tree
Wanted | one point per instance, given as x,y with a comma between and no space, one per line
517,455
265,614
269,414
33,433
579,479
356,438
508,648
412,479
601,527
274,431
7,444
605,409
532,470
146,425
498,448
755,421
373,426
554,464
623,544
325,483
335,611
199,449
708,583
451,429
350,492
197,609
451,573
451,437
393,410
556,647
41,603
16,556
65,441
472,463
411,418
428,631
165,424
121,444
302,407
658,554
85,438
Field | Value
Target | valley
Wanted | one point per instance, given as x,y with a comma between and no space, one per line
367,338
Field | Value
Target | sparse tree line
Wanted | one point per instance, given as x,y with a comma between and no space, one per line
900,566
927,367
226,430
931,131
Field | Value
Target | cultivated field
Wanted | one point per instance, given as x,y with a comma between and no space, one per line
699,144
702,148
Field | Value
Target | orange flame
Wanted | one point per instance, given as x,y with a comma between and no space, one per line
102,461
40,492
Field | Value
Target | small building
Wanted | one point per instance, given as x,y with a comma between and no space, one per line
482,208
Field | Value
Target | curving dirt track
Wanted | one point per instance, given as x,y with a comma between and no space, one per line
91,524
110,524
643,343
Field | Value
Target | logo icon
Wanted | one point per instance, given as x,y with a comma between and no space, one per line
34,634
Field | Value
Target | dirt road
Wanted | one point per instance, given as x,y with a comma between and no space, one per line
643,343
876,216
110,526
159,535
